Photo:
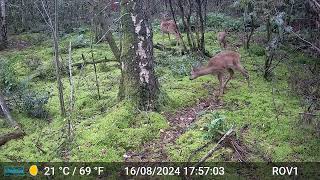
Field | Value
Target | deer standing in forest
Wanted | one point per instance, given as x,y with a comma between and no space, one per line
169,26
221,36
218,65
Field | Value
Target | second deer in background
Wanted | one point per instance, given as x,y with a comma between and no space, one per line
169,27
221,36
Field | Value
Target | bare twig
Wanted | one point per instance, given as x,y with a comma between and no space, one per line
71,80
215,148
198,149
71,93
304,40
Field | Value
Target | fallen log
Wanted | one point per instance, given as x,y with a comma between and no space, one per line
162,47
18,133
80,64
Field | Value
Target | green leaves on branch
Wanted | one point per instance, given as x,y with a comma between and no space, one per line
215,127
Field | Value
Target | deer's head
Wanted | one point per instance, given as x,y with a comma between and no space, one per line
164,16
193,74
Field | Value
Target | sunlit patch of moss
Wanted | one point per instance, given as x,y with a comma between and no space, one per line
114,132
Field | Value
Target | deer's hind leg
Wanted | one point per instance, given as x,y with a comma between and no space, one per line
224,44
231,72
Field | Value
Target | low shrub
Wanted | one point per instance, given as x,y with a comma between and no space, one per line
220,21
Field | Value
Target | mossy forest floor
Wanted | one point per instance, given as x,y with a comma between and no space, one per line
267,117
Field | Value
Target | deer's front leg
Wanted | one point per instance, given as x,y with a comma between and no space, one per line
220,78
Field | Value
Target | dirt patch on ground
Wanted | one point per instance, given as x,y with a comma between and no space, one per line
17,44
154,151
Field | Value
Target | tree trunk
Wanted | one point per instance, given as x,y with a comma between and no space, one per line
57,61
175,21
3,26
201,28
113,45
249,35
186,25
138,82
6,112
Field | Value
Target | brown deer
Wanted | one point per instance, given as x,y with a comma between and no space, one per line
218,65
221,36
169,26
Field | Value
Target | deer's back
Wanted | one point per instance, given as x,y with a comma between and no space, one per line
168,26
225,59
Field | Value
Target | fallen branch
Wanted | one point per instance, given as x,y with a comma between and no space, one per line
80,64
162,47
198,149
40,149
18,133
216,147
304,40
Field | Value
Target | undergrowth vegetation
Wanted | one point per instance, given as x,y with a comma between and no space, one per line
104,130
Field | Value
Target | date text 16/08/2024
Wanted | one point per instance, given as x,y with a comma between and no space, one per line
173,171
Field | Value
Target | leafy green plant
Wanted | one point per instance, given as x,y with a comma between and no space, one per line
221,21
179,65
257,50
215,127
80,42
34,103
20,93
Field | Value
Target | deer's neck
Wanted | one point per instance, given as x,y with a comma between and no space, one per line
205,71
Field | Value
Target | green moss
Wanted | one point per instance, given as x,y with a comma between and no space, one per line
282,152
105,129
115,132
257,50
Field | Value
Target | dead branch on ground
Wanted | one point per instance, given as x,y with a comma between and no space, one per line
227,140
18,133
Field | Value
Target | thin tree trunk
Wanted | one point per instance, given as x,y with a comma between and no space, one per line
23,16
57,61
185,24
71,78
6,112
72,99
268,29
189,23
201,24
95,72
250,34
113,45
175,21
3,26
